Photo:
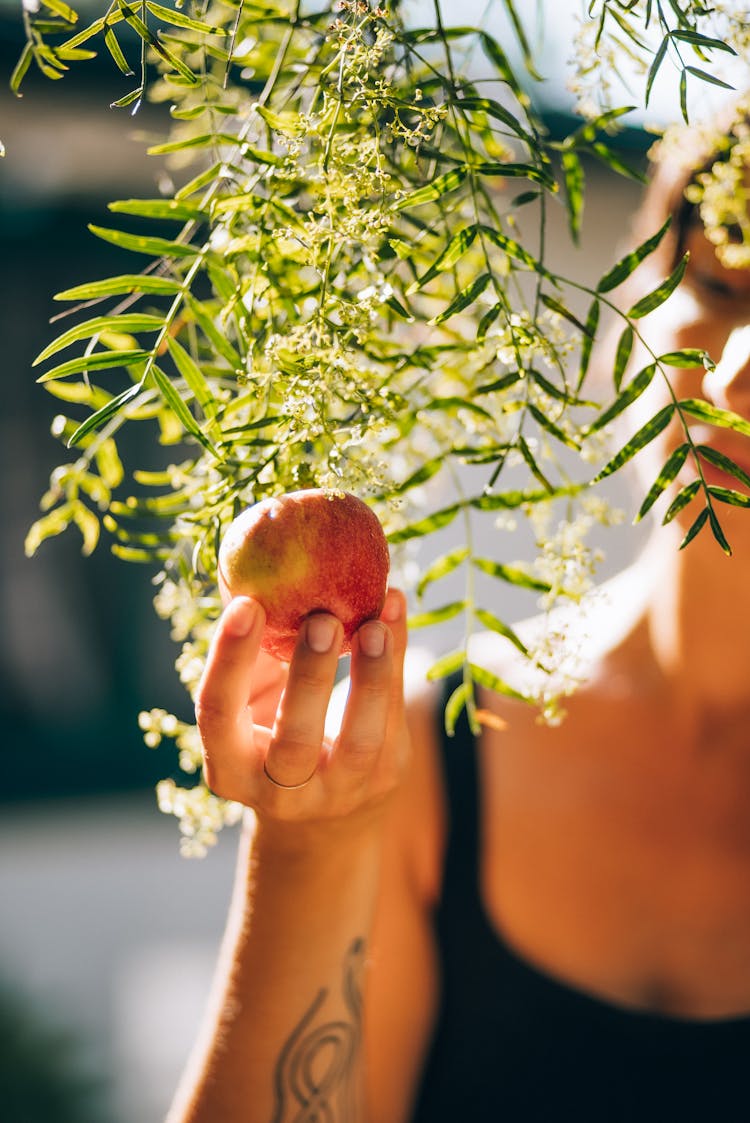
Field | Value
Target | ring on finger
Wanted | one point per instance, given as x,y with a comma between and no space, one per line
287,787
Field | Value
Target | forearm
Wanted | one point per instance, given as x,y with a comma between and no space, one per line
284,1031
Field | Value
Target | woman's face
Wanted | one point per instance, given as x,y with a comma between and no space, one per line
707,312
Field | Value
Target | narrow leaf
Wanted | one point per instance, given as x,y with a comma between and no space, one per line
463,299
447,665
630,262
154,247
681,500
493,624
122,325
425,526
124,284
695,528
643,437
455,706
99,360
439,187
624,348
441,567
713,456
724,418
654,299
513,574
437,615
103,415
453,252
668,473
632,391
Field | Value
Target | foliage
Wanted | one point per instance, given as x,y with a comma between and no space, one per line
346,285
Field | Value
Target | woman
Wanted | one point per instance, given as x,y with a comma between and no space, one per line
552,923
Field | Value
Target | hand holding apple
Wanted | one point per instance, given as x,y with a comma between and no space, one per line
305,552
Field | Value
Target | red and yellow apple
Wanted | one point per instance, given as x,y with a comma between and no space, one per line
308,551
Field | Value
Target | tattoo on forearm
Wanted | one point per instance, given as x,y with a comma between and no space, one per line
314,1080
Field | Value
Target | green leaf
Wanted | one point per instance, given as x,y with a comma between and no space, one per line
148,37
653,70
729,495
158,208
654,299
178,407
643,437
575,181
624,348
425,526
546,423
523,42
511,170
494,624
216,337
205,140
138,243
99,360
494,109
557,306
668,473
463,299
685,359
61,9
713,456
101,416
127,283
20,69
124,324
447,665
718,533
697,39
681,500
113,46
453,252
695,528
436,615
632,391
178,19
706,76
455,706
429,469
514,574
630,262
499,59
441,567
515,250
194,377
724,418
589,336
491,681
443,185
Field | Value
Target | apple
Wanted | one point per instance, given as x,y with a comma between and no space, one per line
316,550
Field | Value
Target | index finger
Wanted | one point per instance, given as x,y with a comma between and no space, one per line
225,686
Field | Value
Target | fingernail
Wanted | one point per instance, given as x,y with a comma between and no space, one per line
320,632
372,639
392,608
240,614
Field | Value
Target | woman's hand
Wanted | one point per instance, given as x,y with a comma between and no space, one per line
281,764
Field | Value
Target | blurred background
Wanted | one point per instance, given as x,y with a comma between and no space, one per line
107,935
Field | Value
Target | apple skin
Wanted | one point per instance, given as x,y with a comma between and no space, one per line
308,551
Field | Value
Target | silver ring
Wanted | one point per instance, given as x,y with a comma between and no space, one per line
287,787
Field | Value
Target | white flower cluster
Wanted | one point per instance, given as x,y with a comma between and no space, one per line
722,195
201,815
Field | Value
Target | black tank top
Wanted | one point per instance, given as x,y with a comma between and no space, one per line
514,1045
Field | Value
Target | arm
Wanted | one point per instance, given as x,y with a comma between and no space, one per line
284,1035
